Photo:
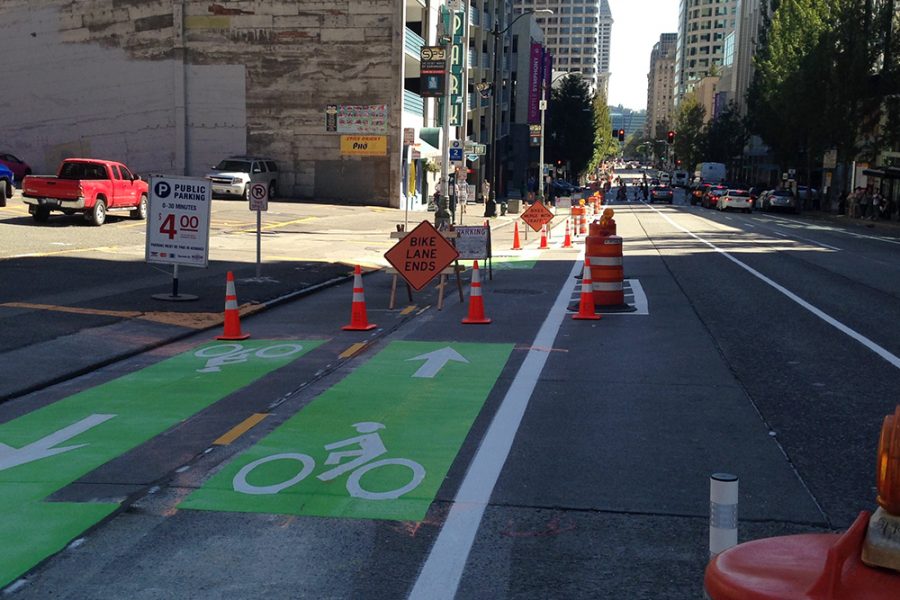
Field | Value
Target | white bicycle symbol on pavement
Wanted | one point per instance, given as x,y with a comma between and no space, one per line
230,354
370,447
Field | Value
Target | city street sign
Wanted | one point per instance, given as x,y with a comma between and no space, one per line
421,255
475,148
472,157
537,216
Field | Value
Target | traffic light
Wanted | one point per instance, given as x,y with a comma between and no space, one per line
621,135
615,133
670,137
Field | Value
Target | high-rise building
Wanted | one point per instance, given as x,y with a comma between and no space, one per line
577,34
702,27
660,83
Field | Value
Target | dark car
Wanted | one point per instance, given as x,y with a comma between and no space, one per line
711,197
697,193
563,188
661,193
18,166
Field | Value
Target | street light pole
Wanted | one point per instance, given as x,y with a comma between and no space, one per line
490,204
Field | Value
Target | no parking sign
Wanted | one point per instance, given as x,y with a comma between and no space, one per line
259,197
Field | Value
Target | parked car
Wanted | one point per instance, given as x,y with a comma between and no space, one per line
561,187
778,199
233,176
18,166
711,197
6,184
88,186
661,193
735,199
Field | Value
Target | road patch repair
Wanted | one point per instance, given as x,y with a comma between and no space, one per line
46,450
377,445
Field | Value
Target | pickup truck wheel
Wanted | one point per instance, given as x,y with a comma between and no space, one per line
140,213
3,190
246,195
273,189
98,213
41,214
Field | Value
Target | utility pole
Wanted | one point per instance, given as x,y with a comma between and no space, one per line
442,214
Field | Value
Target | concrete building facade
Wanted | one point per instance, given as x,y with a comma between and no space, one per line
702,27
577,34
660,87
173,86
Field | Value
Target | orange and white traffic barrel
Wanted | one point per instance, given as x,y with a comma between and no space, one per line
605,255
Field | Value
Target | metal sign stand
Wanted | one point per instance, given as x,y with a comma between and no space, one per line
175,296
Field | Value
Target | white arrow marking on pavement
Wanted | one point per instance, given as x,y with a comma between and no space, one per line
10,457
435,361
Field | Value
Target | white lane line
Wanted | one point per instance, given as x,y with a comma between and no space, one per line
443,569
880,351
836,230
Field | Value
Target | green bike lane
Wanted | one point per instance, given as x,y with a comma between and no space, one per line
45,450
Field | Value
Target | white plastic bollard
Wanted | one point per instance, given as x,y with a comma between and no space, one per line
723,512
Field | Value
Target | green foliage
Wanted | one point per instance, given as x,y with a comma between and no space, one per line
605,145
691,134
725,136
570,124
825,72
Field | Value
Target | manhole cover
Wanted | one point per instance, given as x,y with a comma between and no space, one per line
517,292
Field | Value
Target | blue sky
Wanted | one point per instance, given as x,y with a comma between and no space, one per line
636,27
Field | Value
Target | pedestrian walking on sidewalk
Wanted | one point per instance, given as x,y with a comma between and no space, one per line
864,200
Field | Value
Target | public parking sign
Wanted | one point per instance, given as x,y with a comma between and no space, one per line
421,254
259,197
178,221
456,150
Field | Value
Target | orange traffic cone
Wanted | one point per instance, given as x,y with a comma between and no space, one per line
358,319
516,244
543,245
476,302
232,314
567,241
586,302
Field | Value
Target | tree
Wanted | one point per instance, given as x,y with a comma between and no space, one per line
725,136
605,145
690,138
571,124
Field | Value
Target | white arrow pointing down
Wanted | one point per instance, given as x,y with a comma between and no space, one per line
44,447
435,361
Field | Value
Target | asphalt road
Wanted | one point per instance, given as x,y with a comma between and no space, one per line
566,459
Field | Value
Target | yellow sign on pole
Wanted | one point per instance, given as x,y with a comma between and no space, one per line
364,145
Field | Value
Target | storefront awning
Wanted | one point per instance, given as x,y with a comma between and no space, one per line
883,172
422,149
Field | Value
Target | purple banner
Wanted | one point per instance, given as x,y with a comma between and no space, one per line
548,74
534,83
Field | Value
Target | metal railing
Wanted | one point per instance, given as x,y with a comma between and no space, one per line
413,103
412,42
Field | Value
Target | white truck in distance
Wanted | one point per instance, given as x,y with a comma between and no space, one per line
709,172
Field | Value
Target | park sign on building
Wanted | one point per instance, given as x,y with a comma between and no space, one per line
455,22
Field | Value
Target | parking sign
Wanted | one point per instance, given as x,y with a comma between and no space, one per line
259,197
178,221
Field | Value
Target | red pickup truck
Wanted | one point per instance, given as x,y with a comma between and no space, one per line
88,186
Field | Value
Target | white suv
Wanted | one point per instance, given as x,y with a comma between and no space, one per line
233,176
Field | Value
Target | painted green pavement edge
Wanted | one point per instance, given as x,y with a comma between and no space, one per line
45,450
376,445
